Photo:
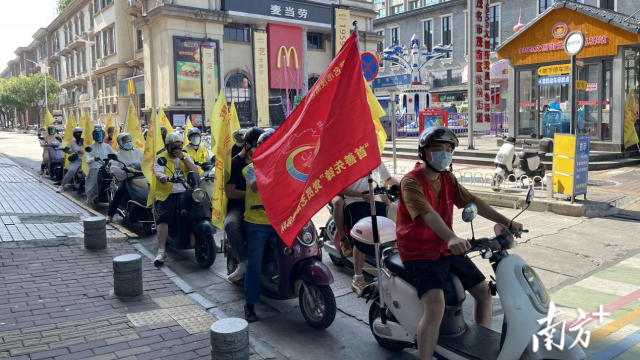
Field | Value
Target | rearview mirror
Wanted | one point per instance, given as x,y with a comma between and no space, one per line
112,157
162,161
58,138
88,149
469,213
529,198
206,166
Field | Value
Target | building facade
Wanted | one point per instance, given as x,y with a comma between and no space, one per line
94,48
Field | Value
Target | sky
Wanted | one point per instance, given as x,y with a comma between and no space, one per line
19,21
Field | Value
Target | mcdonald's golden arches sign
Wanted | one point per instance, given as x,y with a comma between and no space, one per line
286,63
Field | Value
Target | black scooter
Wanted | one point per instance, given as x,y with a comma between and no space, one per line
191,227
132,206
104,179
55,164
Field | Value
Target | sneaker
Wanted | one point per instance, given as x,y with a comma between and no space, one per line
57,183
250,313
357,285
109,219
346,247
41,172
60,189
160,258
238,274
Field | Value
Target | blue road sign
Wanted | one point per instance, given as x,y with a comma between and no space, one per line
388,82
581,165
554,80
370,66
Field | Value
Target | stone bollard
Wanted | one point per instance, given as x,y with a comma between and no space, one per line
95,233
127,275
230,339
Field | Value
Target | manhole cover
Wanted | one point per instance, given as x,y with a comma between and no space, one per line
601,183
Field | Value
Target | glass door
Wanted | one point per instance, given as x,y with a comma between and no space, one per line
527,98
607,79
588,102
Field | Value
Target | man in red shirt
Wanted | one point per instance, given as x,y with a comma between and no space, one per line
428,247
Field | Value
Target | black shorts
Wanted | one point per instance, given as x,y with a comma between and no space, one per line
166,210
357,211
426,275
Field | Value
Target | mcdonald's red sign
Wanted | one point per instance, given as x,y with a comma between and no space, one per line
285,56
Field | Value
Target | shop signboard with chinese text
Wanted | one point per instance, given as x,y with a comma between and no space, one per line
554,80
581,85
391,82
480,63
179,120
570,164
186,56
290,11
210,83
261,64
554,70
343,20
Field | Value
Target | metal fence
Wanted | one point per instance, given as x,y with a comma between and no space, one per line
407,125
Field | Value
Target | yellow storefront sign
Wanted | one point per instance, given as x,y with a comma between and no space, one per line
570,164
581,85
554,70
343,20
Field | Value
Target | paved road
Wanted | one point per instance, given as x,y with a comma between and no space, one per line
584,262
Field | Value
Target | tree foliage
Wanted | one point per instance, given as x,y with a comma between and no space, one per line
62,4
23,92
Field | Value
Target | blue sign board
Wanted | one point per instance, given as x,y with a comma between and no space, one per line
581,165
387,82
369,66
554,80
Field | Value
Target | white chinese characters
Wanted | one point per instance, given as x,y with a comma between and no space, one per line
289,11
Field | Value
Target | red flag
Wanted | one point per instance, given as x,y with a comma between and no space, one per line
326,144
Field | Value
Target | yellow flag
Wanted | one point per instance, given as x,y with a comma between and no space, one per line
68,136
151,146
164,121
376,113
116,132
222,125
630,135
132,126
48,118
87,135
110,123
187,127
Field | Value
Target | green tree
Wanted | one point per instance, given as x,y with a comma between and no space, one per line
18,98
6,108
62,4
34,86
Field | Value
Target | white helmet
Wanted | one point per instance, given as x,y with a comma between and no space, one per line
173,137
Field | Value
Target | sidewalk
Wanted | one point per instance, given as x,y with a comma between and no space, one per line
58,302
31,213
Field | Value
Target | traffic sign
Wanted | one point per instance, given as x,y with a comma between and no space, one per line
554,70
370,66
391,82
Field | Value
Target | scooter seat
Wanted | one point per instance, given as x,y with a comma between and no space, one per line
525,154
140,182
395,265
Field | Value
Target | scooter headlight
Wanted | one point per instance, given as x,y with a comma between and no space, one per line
308,235
501,157
540,292
199,195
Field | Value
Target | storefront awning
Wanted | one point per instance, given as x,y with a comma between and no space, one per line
138,82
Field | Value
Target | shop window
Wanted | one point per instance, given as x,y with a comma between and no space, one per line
139,39
112,39
608,4
397,9
430,2
446,32
381,13
588,104
414,4
238,90
237,32
494,27
527,103
315,41
428,34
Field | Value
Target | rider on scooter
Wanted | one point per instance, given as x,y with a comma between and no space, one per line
109,139
235,189
128,155
99,150
258,230
74,147
168,193
357,208
425,232
52,133
195,149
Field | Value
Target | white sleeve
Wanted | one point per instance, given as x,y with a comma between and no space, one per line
157,167
250,174
384,172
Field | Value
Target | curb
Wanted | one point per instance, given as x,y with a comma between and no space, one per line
128,234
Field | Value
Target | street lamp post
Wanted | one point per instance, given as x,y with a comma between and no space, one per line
45,71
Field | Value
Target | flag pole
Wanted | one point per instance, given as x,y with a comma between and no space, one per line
374,218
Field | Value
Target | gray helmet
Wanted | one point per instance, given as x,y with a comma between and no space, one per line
121,138
193,131
437,134
173,137
77,129
238,136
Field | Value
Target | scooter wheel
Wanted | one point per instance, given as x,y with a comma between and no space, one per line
148,228
391,345
205,250
319,306
336,261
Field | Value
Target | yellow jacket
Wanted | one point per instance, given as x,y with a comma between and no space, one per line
199,156
163,190
252,199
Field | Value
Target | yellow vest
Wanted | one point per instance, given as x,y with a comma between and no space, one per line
199,156
252,199
163,190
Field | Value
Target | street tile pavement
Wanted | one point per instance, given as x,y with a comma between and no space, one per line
31,210
57,303
617,289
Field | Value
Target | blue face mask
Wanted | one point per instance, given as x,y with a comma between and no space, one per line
127,146
441,160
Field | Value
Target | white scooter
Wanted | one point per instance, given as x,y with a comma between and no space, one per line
394,318
524,164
